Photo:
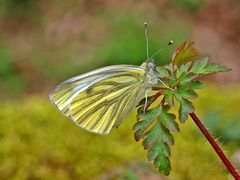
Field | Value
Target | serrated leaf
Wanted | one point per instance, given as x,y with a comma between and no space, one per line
151,136
151,114
156,137
169,94
185,108
190,94
185,77
168,119
186,93
158,148
162,72
202,67
214,68
156,140
158,131
145,121
163,164
173,81
183,69
166,135
184,53
199,65
194,84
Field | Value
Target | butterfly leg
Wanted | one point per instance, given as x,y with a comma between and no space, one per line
145,105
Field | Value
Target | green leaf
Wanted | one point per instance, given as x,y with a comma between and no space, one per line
155,150
186,93
199,65
158,131
168,119
183,69
214,68
202,67
156,140
162,72
185,108
163,164
184,53
169,94
194,84
145,121
173,81
166,135
185,77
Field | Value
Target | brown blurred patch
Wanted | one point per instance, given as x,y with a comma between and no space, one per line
34,79
216,32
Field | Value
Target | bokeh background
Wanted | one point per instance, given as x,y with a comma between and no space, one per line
45,42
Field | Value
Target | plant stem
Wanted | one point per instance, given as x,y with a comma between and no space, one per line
215,146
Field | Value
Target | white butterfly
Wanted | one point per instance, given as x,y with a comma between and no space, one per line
101,99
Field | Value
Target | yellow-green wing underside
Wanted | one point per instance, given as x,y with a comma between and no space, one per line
100,100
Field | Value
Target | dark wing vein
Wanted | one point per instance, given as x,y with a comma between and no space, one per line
111,106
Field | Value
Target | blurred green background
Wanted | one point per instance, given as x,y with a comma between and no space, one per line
45,42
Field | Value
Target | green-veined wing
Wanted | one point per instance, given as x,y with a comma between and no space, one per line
101,99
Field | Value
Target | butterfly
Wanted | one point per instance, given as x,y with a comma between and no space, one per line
100,100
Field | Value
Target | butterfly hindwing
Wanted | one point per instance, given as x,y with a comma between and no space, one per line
101,99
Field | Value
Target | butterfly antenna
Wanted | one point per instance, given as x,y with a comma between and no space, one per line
169,43
146,36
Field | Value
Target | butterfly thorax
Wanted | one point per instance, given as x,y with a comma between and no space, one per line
151,78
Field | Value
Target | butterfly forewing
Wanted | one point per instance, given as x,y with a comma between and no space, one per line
101,99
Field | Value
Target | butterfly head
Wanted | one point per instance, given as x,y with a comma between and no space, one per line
151,77
149,65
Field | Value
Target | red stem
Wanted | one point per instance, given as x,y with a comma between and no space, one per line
215,146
